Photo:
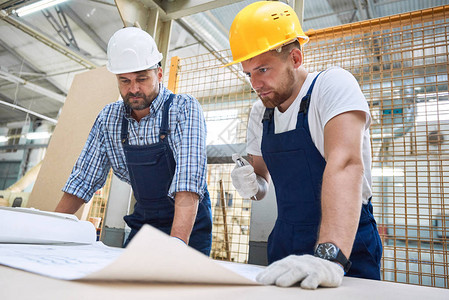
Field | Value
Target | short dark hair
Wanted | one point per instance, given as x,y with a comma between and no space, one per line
286,49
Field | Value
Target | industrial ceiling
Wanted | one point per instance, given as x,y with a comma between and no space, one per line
40,53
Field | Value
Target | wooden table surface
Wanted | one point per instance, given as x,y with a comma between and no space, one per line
18,284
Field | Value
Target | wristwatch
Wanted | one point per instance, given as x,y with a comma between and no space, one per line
331,252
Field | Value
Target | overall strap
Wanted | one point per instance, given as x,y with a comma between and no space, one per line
164,124
124,131
268,114
303,119
267,121
305,101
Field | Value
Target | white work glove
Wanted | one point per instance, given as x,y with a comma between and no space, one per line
243,178
310,270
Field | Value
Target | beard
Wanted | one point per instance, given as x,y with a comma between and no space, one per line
140,104
280,94
274,100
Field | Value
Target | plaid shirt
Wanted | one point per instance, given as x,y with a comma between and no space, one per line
103,148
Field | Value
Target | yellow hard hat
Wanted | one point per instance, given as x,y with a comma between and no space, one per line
263,26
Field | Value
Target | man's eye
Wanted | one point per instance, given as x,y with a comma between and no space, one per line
142,79
263,70
124,81
248,74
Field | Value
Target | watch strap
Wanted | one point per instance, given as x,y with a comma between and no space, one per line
341,258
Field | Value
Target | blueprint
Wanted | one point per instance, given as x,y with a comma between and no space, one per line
58,261
150,256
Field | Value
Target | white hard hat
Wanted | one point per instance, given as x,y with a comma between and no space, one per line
131,49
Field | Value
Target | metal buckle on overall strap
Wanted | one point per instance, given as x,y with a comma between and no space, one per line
268,114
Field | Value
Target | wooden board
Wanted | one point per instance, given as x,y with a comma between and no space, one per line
89,93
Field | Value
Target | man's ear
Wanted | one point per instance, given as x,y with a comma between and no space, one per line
296,57
160,74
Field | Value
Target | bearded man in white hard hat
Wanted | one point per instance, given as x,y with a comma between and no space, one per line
310,135
154,140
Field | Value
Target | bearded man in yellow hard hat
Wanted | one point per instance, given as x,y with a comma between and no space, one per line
310,135
154,140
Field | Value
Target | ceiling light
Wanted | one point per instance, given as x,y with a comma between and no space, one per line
37,6
38,135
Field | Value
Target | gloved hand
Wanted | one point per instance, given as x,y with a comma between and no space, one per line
243,178
311,271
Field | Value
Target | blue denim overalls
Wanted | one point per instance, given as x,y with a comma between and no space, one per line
151,169
296,167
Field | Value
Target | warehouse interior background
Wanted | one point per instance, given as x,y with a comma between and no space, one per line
396,49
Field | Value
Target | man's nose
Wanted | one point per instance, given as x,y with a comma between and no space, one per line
134,87
255,83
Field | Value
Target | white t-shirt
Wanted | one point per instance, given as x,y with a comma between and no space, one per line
336,91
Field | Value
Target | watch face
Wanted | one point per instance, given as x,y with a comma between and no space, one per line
327,251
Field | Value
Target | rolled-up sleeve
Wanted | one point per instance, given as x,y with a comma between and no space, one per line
191,158
92,167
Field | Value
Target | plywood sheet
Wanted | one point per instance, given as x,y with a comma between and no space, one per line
89,93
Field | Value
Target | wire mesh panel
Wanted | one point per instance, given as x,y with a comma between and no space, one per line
226,98
98,205
401,64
